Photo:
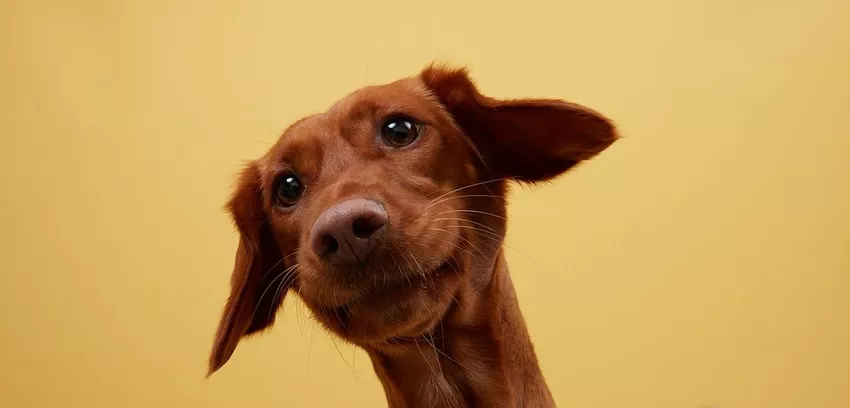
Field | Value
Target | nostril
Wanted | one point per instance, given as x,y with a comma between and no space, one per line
348,232
328,244
365,227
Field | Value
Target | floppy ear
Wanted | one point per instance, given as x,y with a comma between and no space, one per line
527,140
253,301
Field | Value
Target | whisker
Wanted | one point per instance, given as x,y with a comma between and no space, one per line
434,372
468,186
418,266
321,293
272,268
299,311
410,265
454,245
284,283
469,221
498,240
487,234
353,371
464,239
395,265
336,312
399,268
310,349
282,274
440,352
278,263
458,272
472,212
462,196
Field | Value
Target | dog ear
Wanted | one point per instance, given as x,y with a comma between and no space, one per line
527,140
253,301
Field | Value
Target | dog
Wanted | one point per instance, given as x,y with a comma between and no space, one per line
386,215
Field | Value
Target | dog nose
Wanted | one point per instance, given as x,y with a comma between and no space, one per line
348,232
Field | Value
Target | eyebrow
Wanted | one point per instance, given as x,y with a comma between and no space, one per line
360,110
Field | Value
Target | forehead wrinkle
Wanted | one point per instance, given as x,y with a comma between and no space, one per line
410,98
357,108
351,117
296,144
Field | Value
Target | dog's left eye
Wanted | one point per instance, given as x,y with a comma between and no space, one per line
399,131
288,190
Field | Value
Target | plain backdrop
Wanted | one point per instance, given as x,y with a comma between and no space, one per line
702,261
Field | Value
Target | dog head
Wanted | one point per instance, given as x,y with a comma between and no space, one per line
377,211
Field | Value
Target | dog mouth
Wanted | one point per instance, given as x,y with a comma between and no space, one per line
375,312
392,290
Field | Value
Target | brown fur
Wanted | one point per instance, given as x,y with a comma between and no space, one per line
434,305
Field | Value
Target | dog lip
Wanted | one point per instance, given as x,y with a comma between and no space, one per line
361,319
399,287
384,288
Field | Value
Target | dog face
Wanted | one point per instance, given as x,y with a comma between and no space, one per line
379,210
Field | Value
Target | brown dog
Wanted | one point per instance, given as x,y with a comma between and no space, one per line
386,215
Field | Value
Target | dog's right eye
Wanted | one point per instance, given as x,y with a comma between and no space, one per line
399,131
288,190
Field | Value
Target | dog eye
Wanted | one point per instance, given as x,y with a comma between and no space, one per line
399,131
288,190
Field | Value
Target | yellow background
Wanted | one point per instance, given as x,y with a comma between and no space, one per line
703,261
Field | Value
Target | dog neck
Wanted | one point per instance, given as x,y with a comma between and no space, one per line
480,355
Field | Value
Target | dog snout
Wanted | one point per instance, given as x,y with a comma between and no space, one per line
349,231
